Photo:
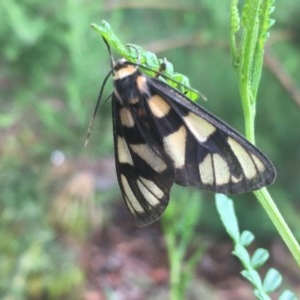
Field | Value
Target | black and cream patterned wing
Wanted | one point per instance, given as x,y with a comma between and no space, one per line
144,172
205,151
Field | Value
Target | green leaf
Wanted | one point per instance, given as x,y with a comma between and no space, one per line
226,211
287,295
272,281
259,257
242,254
147,60
247,237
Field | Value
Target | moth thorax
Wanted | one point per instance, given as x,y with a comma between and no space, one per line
132,88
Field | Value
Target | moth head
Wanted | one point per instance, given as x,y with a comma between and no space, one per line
123,69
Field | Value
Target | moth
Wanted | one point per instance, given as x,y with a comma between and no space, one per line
162,138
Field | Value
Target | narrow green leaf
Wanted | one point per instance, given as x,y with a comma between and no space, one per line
234,28
226,211
234,16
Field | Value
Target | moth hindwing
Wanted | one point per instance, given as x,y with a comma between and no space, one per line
162,138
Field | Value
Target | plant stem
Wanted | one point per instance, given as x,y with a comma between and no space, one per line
175,261
248,65
249,110
274,214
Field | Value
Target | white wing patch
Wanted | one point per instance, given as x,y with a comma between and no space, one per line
236,179
259,164
244,158
150,191
206,170
126,117
149,156
200,128
133,203
141,82
222,172
175,144
123,152
159,107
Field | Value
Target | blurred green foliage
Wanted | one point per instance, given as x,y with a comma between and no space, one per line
52,65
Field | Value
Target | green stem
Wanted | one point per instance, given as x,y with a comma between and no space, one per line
256,22
175,261
274,214
249,110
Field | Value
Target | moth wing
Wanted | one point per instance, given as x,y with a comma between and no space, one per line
213,155
145,173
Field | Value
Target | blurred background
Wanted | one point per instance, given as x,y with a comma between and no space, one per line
64,230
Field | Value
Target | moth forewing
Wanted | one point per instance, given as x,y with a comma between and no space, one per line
227,162
144,172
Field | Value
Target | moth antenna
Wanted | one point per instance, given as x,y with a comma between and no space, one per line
112,63
89,130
